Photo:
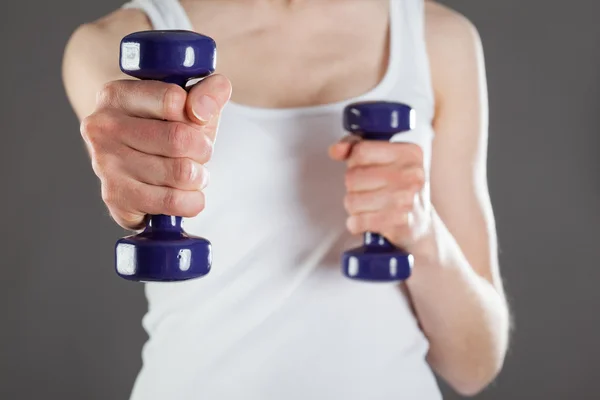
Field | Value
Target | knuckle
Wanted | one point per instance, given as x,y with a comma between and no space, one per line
173,102
351,178
143,199
353,225
172,201
360,150
400,220
96,167
96,126
89,127
417,177
410,151
108,94
99,164
348,180
393,175
197,205
369,223
205,149
184,171
183,204
109,194
417,152
128,220
402,199
179,139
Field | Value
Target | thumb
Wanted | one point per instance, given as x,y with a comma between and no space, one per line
206,99
341,150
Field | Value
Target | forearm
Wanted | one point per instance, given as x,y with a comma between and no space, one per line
463,315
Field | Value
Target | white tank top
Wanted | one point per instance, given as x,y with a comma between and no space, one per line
275,319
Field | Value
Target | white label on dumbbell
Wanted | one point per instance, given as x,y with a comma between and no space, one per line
185,259
393,266
190,57
130,56
395,122
353,266
126,259
412,119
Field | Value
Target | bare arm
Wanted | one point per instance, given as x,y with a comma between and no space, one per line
456,287
91,57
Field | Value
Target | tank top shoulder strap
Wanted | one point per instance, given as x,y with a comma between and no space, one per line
411,48
163,14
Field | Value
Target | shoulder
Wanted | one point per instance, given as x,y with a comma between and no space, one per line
453,45
91,42
90,56
447,29
443,19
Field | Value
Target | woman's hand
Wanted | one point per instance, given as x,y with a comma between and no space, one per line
148,143
386,189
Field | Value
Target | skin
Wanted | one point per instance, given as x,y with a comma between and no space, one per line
149,141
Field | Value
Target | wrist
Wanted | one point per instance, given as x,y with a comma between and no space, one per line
426,249
438,258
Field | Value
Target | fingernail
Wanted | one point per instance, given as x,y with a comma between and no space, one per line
204,108
205,178
410,219
194,172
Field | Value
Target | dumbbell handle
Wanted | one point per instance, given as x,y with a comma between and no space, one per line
375,240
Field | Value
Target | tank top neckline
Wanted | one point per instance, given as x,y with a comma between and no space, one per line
381,90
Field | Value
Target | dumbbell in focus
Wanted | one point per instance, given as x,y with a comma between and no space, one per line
377,260
164,252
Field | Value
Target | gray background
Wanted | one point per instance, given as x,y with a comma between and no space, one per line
70,329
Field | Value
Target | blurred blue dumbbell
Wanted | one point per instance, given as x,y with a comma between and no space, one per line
377,260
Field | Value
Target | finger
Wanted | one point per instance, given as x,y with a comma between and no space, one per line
379,200
163,138
126,195
178,173
206,101
400,233
361,179
370,152
128,220
145,99
369,178
341,150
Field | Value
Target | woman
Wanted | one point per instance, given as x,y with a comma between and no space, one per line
288,194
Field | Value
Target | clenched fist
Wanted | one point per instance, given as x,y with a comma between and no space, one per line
386,189
148,143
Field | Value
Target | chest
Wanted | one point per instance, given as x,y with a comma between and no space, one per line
318,53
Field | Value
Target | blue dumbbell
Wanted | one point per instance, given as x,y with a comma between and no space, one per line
164,252
377,260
